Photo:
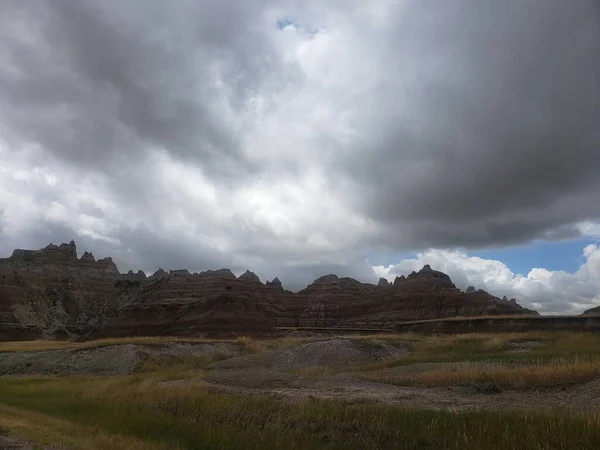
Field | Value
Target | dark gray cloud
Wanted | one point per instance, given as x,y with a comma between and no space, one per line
500,142
100,83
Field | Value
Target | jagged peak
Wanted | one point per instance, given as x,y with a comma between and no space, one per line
399,280
107,260
87,257
383,282
249,276
180,272
70,247
275,283
225,273
160,273
326,279
427,271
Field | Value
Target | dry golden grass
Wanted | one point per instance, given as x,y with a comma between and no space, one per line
141,411
249,344
47,430
36,346
133,413
556,373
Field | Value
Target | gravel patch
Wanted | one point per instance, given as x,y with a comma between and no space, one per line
346,387
335,353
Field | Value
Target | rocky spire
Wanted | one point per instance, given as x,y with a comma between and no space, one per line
249,276
383,282
399,280
275,283
87,257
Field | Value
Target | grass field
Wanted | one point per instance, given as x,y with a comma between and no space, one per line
133,413
142,411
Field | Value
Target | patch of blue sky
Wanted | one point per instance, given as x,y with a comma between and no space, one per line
550,255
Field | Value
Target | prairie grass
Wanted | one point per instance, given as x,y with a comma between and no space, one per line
44,429
500,347
133,413
169,368
560,372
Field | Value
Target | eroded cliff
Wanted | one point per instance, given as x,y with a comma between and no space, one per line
51,293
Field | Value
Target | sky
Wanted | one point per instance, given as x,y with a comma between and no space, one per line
301,138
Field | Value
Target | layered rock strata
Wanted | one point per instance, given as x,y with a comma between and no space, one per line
51,293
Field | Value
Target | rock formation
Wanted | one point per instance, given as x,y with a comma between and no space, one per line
595,310
275,283
383,283
250,276
53,293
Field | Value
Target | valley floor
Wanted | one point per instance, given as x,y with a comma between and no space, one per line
535,390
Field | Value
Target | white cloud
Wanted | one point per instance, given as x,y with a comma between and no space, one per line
549,292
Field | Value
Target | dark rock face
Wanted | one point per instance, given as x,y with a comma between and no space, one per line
223,273
428,273
399,280
160,273
250,276
180,272
52,293
131,276
275,283
595,310
470,289
383,283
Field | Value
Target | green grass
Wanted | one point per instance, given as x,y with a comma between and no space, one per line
186,416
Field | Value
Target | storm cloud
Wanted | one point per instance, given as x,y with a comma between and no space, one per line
295,138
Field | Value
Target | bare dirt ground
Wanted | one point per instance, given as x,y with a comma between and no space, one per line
332,353
349,387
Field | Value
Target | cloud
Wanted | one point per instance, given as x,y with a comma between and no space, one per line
208,129
548,292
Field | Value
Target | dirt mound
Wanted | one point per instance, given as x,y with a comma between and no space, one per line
108,360
327,353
